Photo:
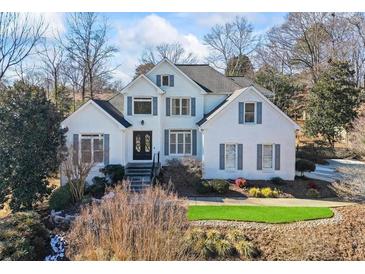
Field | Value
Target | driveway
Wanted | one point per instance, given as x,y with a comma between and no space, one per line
329,172
265,202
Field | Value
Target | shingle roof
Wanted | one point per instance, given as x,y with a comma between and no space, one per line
112,111
246,82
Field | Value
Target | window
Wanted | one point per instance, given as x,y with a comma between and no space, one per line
165,80
180,142
249,112
92,148
230,156
267,155
142,105
180,106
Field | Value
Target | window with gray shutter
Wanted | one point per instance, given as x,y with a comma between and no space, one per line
158,80
221,156
277,156
241,111
259,157
166,142
106,149
75,155
167,106
239,156
259,112
129,105
154,105
194,141
172,80
193,106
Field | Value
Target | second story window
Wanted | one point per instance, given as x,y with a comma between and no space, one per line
180,106
142,105
165,79
249,112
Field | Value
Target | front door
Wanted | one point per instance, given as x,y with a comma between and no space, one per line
142,145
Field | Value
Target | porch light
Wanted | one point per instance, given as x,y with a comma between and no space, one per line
142,122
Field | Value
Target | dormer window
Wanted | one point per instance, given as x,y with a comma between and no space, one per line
250,113
165,80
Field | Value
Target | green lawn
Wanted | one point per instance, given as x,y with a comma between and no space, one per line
262,214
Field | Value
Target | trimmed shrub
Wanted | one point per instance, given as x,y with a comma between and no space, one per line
61,198
185,172
254,192
97,188
302,165
113,172
220,186
240,182
313,193
203,187
23,237
277,181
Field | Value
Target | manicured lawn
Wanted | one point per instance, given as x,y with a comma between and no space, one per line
262,214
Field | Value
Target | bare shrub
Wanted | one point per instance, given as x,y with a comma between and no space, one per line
131,226
357,136
184,172
352,186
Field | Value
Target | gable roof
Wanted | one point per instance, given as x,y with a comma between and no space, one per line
236,94
107,108
144,77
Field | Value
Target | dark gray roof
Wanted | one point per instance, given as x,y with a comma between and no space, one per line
212,81
112,111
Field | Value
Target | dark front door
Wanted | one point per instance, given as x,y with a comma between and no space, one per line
142,145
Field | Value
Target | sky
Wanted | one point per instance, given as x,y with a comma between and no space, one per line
131,33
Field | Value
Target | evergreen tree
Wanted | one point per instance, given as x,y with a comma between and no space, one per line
332,102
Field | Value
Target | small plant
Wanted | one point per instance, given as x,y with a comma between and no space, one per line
313,193
203,187
254,192
312,185
277,181
61,198
114,173
265,192
220,186
97,188
240,182
303,165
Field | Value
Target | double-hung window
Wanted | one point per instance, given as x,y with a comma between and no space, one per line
230,156
180,142
180,106
267,157
249,112
165,80
92,148
142,105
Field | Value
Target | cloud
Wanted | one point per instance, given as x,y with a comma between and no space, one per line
54,20
150,31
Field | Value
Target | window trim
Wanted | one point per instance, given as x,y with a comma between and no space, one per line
143,99
176,131
168,80
272,157
235,158
180,104
100,136
254,113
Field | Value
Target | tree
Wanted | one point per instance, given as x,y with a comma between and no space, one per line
87,47
31,139
142,69
18,37
231,40
357,136
284,87
240,66
333,102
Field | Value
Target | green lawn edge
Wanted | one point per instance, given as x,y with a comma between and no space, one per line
259,214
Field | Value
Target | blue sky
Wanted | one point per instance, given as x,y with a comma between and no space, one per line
132,32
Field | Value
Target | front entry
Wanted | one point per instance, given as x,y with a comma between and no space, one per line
142,145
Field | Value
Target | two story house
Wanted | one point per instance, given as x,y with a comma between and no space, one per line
178,111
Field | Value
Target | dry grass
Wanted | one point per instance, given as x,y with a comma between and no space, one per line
130,226
352,186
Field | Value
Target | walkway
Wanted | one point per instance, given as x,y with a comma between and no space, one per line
265,202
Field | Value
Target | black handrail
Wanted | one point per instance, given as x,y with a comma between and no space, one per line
153,170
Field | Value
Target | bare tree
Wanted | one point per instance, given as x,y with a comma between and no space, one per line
87,45
18,36
231,40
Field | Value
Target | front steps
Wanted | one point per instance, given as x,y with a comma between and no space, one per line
139,175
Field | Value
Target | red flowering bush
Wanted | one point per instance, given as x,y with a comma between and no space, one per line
240,182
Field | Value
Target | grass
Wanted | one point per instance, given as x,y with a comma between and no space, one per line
261,214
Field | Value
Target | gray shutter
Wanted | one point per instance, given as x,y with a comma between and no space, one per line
221,156
259,157
240,157
106,149
172,81
154,104
259,112
167,106
193,106
277,156
194,141
158,80
241,112
166,142
129,105
75,155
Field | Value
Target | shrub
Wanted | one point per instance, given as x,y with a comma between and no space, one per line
219,186
240,182
203,187
113,172
312,185
97,188
149,225
186,172
277,181
254,192
265,192
303,165
23,237
61,198
313,193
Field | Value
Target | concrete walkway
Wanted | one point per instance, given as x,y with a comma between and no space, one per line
265,202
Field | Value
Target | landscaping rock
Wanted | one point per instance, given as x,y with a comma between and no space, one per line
109,195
